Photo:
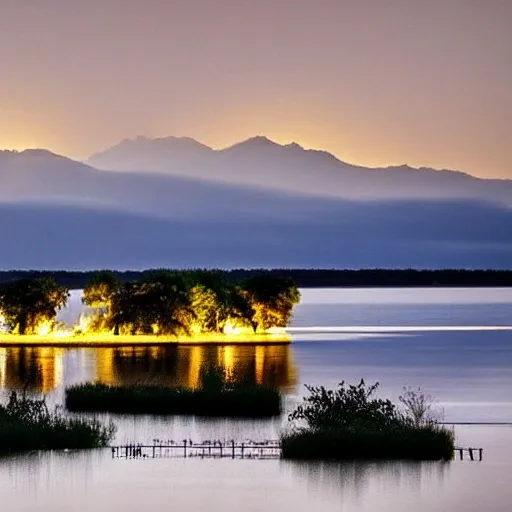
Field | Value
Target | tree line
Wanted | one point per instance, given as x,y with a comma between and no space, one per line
305,277
161,302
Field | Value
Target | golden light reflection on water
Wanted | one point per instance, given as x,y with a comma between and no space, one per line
39,369
181,366
43,369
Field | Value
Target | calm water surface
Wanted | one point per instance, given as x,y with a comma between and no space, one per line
468,371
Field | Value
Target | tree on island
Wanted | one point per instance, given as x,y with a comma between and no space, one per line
190,302
158,304
99,294
211,299
27,303
101,289
271,300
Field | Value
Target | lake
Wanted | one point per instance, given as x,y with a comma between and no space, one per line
454,343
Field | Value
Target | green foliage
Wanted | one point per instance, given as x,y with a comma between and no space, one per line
28,302
241,308
179,303
161,302
210,313
100,289
352,406
214,398
350,422
271,299
27,424
406,442
211,299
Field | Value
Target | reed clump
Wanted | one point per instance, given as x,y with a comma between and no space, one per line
349,423
217,395
27,424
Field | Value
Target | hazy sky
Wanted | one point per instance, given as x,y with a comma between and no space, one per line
377,82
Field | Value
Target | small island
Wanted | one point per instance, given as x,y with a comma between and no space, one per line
191,306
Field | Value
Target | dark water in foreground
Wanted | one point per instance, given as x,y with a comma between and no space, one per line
469,372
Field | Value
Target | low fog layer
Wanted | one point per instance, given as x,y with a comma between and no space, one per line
57,213
381,235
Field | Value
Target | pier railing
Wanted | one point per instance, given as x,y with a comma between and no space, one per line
207,449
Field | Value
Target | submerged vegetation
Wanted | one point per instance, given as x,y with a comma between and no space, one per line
163,302
218,395
27,424
350,423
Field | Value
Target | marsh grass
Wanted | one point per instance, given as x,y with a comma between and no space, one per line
219,394
414,443
27,424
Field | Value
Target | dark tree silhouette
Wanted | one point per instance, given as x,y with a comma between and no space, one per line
28,302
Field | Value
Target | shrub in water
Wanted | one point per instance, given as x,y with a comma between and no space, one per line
215,397
27,424
350,423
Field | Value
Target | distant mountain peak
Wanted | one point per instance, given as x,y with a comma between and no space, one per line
294,145
35,154
170,140
41,153
258,142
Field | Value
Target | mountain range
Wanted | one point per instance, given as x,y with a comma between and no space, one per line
176,202
264,163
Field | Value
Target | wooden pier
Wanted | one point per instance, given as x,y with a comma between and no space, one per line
206,449
217,449
471,452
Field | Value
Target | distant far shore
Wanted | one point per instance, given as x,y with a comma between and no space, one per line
312,278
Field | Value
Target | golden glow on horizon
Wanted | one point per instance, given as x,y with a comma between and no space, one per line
371,154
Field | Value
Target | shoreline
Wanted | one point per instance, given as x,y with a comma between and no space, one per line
106,340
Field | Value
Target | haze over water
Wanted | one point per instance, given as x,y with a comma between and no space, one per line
469,372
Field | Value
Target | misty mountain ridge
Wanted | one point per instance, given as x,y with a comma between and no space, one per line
56,212
259,161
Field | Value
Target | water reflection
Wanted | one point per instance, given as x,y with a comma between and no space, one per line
36,368
44,369
357,480
92,480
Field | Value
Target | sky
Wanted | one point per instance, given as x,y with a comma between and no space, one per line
376,82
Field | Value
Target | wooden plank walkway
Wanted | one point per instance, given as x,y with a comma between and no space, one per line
207,449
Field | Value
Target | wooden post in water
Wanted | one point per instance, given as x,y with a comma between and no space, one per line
480,453
233,448
185,448
471,453
461,452
242,450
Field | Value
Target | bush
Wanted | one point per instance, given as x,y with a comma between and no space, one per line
27,424
346,407
349,423
424,443
237,400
